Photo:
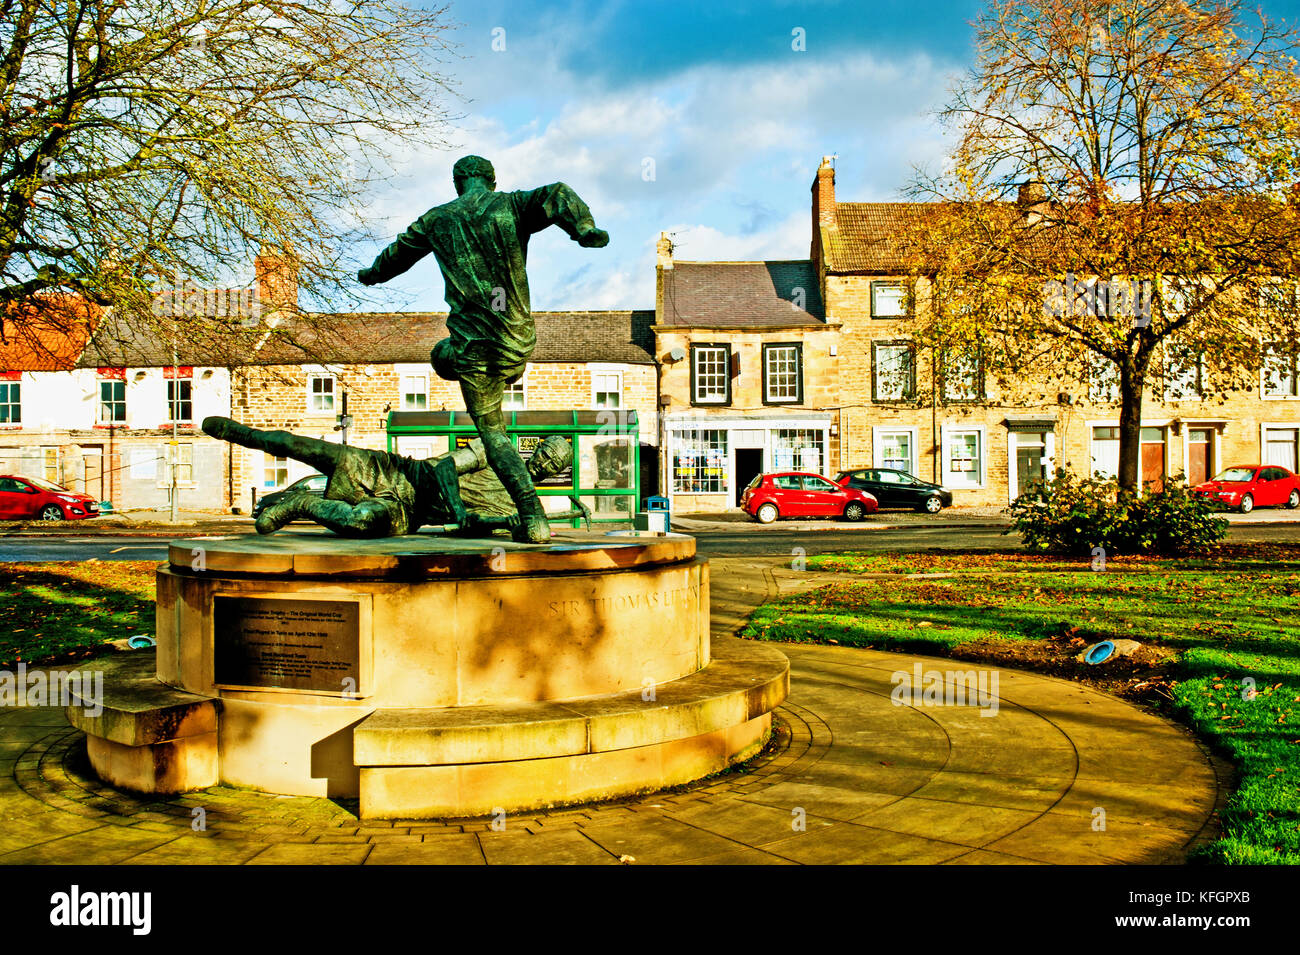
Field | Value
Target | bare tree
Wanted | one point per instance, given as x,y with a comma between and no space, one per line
159,143
1119,199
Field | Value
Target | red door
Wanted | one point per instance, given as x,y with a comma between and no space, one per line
1153,458
824,498
17,500
1273,487
790,497
9,498
1200,467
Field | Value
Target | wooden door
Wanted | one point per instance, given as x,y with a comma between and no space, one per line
1200,466
93,461
1153,466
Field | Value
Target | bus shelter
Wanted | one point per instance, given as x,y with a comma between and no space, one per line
606,470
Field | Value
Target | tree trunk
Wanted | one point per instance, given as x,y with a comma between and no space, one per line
1131,380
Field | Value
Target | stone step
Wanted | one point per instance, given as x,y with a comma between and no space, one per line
137,708
744,681
142,734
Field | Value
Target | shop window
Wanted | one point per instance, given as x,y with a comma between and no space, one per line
699,462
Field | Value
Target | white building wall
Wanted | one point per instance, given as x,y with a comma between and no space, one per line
60,416
57,401
146,396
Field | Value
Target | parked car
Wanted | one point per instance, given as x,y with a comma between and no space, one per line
1249,486
26,498
894,488
796,494
312,483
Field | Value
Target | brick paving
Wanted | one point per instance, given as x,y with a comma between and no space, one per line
848,777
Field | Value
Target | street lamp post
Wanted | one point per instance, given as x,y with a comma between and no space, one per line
175,403
345,419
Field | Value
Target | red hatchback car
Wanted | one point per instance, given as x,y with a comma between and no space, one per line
25,498
795,494
1247,487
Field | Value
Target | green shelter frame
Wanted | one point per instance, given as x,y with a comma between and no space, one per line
606,472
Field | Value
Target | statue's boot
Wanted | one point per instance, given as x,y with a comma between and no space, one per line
533,527
227,429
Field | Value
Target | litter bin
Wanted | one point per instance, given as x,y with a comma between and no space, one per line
655,517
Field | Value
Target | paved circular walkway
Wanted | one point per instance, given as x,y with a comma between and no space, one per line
858,772
853,777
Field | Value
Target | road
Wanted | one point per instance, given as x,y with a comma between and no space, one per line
745,540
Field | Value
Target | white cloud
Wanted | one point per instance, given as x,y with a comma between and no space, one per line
734,148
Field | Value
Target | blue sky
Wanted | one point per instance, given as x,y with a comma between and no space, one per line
734,119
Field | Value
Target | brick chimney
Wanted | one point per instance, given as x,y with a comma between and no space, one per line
277,278
1032,201
663,268
823,209
823,190
664,251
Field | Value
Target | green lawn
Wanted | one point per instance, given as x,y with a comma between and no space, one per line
1213,624
65,610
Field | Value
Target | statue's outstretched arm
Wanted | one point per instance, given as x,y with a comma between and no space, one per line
407,249
559,205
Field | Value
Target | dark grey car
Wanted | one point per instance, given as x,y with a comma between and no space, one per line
893,488
312,483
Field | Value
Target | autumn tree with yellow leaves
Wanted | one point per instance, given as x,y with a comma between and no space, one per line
1121,199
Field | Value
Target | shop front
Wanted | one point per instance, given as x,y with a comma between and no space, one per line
711,459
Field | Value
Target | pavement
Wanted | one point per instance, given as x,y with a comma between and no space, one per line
1054,773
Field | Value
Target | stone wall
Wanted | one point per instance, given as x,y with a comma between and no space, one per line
277,398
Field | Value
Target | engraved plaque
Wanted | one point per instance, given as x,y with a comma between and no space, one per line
288,643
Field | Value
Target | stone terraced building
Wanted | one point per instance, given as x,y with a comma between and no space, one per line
740,368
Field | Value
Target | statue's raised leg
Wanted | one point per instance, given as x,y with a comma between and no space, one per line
322,455
482,395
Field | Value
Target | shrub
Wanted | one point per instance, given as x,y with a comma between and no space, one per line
1072,515
1170,521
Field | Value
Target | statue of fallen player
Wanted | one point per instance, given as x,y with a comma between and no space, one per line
377,494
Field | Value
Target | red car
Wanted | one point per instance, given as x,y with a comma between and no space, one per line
1249,486
25,498
795,494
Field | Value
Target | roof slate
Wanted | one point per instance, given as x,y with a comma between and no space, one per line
381,337
868,235
739,294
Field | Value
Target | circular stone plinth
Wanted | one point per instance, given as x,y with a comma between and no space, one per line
301,635
422,556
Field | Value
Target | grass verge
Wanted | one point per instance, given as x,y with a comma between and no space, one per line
1220,638
60,611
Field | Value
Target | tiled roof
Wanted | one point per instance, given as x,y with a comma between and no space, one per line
869,235
48,335
382,337
738,294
